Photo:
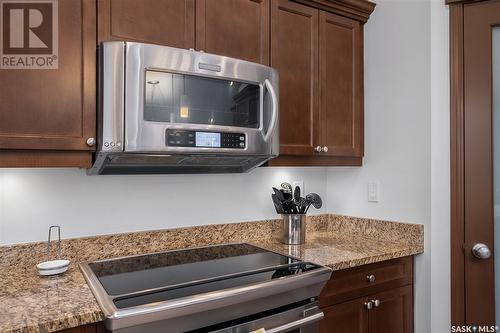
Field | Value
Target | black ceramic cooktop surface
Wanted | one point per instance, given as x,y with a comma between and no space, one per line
168,275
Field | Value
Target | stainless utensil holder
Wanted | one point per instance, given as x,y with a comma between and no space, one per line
293,228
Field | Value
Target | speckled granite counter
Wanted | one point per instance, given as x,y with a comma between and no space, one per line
29,303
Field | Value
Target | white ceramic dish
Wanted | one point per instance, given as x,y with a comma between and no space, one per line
53,267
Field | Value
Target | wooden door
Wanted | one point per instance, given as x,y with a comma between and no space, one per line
53,109
473,167
351,316
294,47
341,85
394,314
164,22
234,28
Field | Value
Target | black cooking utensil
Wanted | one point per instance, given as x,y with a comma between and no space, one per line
278,194
296,193
277,204
286,195
302,205
287,187
291,207
315,200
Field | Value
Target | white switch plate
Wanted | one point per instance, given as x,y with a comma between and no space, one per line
373,189
299,183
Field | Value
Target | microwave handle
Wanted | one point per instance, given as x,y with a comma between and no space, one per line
274,116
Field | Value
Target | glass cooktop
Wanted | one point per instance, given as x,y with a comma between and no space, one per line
169,275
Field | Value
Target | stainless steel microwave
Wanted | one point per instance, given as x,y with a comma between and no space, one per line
169,110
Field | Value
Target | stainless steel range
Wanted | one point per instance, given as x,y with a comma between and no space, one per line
225,288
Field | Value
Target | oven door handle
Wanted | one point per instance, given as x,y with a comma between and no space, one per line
297,324
274,117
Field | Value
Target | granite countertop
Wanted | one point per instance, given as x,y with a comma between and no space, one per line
30,303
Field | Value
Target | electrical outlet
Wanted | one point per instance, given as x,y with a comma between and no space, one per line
373,188
299,183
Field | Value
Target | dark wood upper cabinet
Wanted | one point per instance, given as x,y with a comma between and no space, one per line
47,110
234,28
341,85
294,53
165,22
317,48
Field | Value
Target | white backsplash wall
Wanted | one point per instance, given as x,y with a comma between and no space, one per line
33,199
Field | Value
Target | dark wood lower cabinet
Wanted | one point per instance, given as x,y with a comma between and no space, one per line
375,298
350,316
395,312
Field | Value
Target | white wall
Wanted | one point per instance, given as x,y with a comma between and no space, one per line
407,142
33,199
440,171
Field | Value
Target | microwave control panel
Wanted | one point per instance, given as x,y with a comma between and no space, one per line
203,139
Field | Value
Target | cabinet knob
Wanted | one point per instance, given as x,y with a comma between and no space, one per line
325,149
318,149
376,303
369,305
91,142
370,278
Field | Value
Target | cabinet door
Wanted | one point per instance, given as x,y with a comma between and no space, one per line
53,109
395,312
341,85
165,22
234,28
351,316
294,47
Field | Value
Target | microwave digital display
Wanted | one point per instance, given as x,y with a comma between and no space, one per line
207,139
187,138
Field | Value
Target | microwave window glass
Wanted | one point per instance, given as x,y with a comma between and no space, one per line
180,98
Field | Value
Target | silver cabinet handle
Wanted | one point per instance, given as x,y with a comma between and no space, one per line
297,323
325,149
481,251
91,142
369,305
370,278
376,303
318,149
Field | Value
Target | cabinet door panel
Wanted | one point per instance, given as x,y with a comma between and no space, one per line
341,85
54,108
351,316
165,22
294,46
234,28
395,312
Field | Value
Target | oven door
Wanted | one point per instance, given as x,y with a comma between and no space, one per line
186,102
302,319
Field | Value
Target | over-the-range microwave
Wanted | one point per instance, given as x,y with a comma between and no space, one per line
169,110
